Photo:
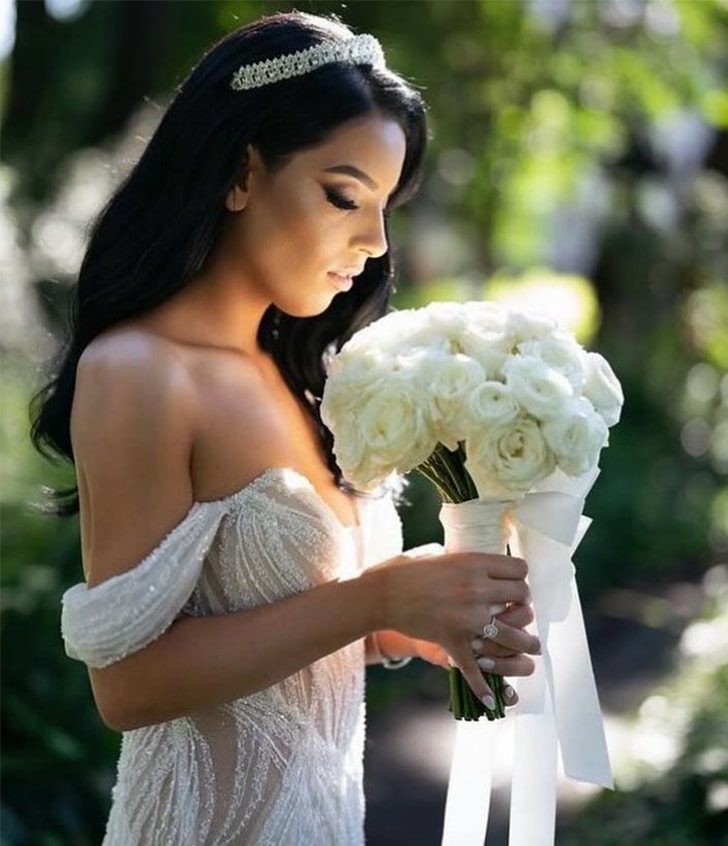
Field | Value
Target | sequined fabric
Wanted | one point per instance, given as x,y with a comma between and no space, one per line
282,767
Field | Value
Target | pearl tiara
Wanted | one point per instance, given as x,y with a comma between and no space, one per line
357,50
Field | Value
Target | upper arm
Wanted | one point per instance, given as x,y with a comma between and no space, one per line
131,427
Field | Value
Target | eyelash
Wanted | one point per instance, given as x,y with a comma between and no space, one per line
339,200
345,204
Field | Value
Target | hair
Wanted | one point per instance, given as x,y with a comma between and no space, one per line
161,225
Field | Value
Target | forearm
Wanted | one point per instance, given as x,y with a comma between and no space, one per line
201,662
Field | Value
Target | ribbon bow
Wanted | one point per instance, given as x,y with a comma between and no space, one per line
559,706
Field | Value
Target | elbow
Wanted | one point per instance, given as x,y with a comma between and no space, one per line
121,716
121,707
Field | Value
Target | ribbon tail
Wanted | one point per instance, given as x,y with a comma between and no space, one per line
468,795
533,785
579,723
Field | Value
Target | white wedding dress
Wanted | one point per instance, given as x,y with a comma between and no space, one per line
282,767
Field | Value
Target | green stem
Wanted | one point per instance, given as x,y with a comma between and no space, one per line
452,467
425,469
455,704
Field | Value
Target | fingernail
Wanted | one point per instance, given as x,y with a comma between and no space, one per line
476,644
509,692
489,702
485,663
538,647
497,609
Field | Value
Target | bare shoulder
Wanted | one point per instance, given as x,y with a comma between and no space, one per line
132,427
243,426
132,390
133,361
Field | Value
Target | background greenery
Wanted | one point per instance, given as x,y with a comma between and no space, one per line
579,160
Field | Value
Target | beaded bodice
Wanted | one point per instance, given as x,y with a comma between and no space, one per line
282,767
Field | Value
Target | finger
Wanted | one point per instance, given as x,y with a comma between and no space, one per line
513,665
508,590
506,567
518,616
510,695
496,566
516,640
465,661
486,646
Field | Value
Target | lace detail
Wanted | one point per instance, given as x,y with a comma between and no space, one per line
282,767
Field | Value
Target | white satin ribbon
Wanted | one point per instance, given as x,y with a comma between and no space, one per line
558,707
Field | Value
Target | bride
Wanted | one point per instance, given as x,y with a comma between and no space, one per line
234,585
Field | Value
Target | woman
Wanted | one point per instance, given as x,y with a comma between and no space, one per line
231,595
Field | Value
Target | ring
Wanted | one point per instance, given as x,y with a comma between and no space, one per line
491,630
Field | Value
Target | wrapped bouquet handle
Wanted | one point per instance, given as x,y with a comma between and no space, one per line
559,706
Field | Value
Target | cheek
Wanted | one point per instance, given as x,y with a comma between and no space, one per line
292,233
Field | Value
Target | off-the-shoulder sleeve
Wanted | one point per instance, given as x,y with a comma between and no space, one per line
105,623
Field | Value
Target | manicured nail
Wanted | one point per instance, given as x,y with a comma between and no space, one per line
485,663
489,702
509,692
497,609
476,644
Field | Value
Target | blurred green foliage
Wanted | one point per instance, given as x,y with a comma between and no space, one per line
682,800
579,154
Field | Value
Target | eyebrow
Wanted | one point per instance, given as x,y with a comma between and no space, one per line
352,170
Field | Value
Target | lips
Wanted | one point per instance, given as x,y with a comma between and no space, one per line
341,281
348,271
343,277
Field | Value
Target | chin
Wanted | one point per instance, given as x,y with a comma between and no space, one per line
312,308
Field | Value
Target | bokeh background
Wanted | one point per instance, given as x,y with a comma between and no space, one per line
579,163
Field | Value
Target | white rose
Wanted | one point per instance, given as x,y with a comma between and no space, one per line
563,353
491,403
522,326
446,319
357,465
576,437
509,457
351,376
446,383
540,390
602,388
393,431
487,348
389,333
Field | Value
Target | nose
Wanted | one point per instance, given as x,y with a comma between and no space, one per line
372,237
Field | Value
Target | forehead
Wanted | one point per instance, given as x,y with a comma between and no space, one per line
374,144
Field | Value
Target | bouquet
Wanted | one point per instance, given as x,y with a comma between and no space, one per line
484,401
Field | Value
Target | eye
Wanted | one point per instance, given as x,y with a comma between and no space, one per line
339,200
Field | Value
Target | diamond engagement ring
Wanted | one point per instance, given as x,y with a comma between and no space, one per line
491,630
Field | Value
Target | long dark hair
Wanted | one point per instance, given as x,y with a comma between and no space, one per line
161,225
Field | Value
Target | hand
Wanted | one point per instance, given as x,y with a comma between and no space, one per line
500,655
447,599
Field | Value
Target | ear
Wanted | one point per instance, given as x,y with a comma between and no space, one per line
237,197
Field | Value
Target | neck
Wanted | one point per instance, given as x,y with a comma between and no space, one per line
216,309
